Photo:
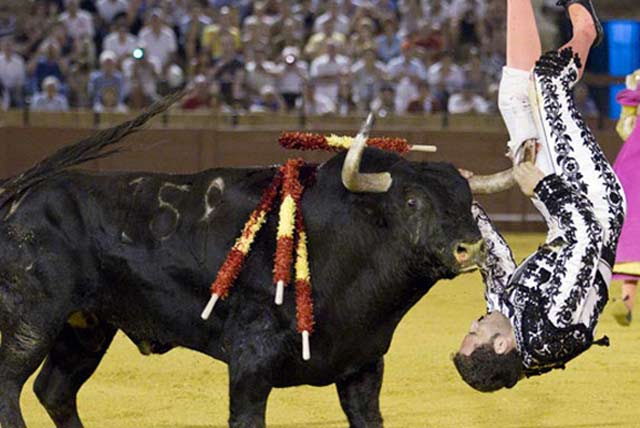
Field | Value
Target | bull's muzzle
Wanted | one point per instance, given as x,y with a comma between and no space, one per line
469,254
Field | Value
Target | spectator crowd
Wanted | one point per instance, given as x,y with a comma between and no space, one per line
308,56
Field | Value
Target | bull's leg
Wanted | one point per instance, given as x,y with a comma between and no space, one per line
72,360
24,346
359,394
248,394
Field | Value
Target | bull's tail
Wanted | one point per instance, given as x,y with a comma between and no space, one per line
90,148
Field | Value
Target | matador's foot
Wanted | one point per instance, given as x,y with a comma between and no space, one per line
554,74
558,64
588,5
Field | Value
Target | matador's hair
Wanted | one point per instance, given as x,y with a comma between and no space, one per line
487,371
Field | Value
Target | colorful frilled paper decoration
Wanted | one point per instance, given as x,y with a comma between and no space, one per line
290,198
232,266
335,143
304,301
290,224
291,231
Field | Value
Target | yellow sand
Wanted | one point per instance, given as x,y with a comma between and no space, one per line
421,388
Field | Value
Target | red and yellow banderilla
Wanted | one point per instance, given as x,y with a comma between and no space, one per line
232,265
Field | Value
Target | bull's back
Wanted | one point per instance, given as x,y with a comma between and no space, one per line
128,244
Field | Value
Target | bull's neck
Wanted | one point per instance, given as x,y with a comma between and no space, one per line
361,272
387,290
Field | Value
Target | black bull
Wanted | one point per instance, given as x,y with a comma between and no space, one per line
85,254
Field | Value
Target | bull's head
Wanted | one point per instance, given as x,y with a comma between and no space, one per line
426,205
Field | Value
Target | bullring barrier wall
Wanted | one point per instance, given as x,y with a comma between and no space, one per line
188,142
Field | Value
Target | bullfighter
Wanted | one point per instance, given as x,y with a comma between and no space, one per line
543,313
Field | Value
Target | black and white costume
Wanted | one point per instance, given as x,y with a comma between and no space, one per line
554,298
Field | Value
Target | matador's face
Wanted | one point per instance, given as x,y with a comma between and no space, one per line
493,328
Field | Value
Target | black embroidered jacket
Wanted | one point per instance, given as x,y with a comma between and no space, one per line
555,296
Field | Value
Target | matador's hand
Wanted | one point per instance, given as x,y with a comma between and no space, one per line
527,176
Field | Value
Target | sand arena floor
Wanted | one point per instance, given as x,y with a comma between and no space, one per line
421,387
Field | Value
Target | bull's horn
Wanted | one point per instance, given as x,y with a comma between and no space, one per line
494,183
352,179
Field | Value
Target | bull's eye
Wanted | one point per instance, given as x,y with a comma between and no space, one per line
412,203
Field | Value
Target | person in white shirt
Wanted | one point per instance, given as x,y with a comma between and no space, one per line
12,73
260,72
260,16
327,69
195,20
341,22
292,75
459,8
466,102
120,42
77,21
314,103
437,12
411,13
108,9
406,65
406,70
368,74
158,39
49,99
445,74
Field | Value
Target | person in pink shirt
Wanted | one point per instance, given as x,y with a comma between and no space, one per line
627,267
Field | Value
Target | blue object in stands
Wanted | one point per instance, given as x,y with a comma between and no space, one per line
623,43
624,46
